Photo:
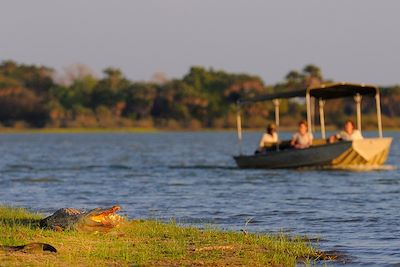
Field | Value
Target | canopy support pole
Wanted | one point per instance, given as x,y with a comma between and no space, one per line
239,129
308,103
322,117
357,99
378,114
276,104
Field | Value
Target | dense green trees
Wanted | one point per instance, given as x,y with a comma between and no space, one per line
31,96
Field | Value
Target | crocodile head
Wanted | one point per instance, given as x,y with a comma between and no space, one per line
99,220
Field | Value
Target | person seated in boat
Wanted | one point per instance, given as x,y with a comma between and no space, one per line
348,134
269,137
302,138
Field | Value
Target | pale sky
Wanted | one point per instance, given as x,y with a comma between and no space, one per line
355,41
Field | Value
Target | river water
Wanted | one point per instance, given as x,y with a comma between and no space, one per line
192,178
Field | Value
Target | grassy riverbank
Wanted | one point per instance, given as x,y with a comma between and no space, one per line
148,243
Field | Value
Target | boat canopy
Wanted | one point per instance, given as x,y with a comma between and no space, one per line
320,93
323,92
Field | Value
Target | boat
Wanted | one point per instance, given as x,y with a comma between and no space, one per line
367,153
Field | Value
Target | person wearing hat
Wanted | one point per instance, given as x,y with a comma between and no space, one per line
269,137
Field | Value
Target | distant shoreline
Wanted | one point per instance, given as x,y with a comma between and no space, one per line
76,130
149,130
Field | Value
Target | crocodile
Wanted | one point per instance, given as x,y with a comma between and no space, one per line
95,220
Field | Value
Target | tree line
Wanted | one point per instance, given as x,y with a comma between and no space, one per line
33,96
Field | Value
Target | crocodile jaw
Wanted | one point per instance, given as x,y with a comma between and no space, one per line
100,220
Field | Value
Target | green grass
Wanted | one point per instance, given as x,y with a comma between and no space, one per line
148,243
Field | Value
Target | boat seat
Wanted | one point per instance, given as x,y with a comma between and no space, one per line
319,141
283,145
274,146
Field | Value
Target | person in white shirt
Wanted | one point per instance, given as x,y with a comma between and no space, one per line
269,137
302,138
349,133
